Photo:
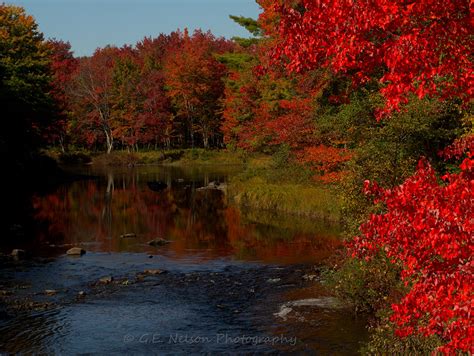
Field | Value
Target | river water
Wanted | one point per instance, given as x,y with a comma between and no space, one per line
234,280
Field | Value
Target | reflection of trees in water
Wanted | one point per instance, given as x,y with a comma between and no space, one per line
107,210
101,211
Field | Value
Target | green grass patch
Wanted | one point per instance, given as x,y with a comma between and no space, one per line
174,157
288,198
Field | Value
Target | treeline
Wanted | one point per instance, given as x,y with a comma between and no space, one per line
163,92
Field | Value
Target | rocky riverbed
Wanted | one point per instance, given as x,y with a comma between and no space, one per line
129,303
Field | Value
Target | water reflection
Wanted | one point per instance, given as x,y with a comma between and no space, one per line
96,213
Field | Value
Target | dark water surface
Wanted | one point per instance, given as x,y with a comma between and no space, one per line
235,281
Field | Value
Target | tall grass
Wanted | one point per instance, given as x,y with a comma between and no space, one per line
288,198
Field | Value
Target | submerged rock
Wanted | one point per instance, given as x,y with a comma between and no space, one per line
324,302
81,294
274,280
50,292
75,251
153,271
158,242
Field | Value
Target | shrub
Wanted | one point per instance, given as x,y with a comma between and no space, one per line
427,229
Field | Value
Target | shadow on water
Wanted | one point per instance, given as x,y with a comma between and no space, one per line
235,279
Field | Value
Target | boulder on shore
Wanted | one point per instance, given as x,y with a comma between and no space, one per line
75,251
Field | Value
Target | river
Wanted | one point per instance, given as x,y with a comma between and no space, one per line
225,280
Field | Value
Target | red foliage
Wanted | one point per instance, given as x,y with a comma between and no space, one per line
92,96
194,78
428,229
422,47
293,124
459,147
326,160
64,67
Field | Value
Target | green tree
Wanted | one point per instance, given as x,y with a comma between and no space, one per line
25,84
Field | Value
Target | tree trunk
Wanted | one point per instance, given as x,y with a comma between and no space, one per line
109,140
205,136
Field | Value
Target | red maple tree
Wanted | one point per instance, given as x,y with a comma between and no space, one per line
421,47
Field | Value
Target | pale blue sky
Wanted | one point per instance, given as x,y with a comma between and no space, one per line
88,24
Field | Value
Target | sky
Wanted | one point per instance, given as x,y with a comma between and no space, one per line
88,24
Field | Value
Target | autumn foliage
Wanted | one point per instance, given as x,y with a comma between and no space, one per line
164,92
428,228
194,79
420,47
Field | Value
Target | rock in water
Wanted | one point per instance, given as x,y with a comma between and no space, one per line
323,302
128,236
154,271
106,280
50,292
75,251
158,242
274,280
18,253
284,311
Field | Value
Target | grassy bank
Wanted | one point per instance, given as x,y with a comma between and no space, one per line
285,188
294,199
175,157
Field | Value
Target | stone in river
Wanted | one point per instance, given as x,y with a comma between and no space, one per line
106,280
128,236
154,271
18,253
50,292
75,251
